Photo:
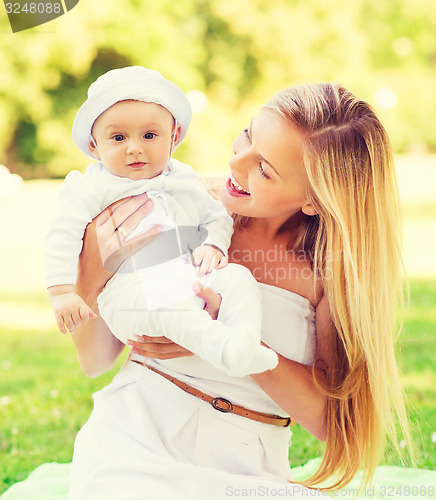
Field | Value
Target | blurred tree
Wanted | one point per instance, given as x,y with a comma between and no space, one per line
236,52
401,46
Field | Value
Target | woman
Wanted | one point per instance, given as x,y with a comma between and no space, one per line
313,191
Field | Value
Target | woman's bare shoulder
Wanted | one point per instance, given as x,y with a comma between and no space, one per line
299,277
213,184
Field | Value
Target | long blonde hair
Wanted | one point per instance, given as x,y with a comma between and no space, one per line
355,239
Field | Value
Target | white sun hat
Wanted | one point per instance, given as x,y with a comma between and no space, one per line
136,83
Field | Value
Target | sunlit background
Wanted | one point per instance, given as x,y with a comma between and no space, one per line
229,56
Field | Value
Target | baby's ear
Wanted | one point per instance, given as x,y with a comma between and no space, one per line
93,148
177,134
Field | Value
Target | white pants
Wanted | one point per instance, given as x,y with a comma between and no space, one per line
160,301
148,440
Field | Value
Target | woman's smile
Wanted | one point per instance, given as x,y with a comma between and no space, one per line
234,188
267,175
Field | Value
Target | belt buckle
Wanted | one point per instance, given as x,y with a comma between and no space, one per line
217,401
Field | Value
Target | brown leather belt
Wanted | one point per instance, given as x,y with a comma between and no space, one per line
221,404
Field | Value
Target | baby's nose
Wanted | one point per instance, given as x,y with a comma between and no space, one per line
134,146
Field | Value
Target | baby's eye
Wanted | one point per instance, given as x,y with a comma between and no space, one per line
118,137
149,135
247,134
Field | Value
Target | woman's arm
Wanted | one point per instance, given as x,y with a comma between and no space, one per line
97,349
290,384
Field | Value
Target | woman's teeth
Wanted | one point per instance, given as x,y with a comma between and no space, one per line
237,187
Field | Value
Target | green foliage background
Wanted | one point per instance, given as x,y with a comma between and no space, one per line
238,52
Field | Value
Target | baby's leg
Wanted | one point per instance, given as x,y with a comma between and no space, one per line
234,349
128,298
123,307
241,309
231,343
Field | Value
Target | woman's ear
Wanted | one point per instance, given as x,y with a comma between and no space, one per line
93,148
308,209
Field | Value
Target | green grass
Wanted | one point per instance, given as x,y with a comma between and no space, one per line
45,398
416,348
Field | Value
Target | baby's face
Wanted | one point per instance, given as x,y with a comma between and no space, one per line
134,139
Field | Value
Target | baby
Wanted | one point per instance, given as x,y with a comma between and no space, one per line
131,122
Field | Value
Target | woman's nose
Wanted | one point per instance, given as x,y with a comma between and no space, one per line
240,161
240,164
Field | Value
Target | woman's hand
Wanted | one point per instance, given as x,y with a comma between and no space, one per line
104,246
115,224
163,348
157,347
104,243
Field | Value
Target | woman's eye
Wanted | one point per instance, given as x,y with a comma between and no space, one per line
149,135
118,137
262,172
261,169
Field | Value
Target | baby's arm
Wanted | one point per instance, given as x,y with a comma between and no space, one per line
214,221
208,257
69,309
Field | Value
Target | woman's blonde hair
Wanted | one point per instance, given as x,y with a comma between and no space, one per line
355,240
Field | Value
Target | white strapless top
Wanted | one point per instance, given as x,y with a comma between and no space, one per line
288,324
288,327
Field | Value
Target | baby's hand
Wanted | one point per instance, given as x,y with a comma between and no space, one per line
208,258
70,311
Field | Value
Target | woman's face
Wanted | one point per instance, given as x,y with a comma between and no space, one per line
267,176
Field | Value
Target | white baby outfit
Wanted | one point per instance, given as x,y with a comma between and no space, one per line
151,293
147,439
